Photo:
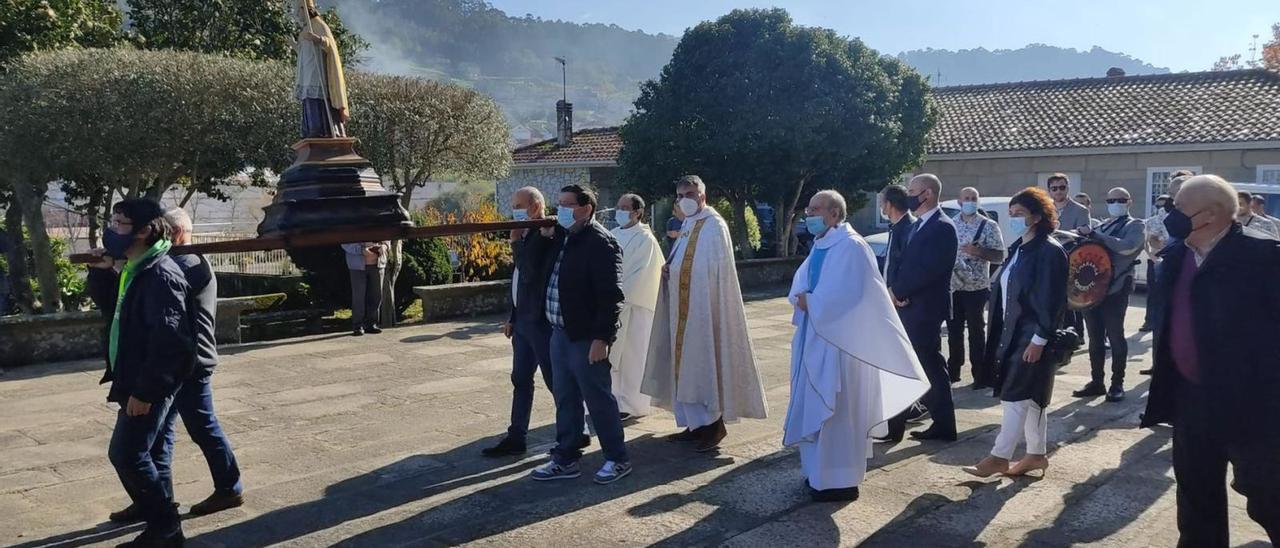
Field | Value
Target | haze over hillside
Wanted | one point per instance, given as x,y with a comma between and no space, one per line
513,58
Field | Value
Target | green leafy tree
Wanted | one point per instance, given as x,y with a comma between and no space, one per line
415,130
766,110
45,25
248,29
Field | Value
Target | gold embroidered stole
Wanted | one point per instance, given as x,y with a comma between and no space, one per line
686,278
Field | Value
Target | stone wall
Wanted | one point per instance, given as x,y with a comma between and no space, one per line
1098,172
550,180
235,284
50,337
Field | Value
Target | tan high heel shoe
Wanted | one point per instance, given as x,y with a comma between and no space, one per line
988,467
1028,464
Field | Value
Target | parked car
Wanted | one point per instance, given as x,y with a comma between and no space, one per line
997,209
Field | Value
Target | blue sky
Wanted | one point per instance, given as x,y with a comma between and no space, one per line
1178,34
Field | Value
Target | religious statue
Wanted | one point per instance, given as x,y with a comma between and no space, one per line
320,84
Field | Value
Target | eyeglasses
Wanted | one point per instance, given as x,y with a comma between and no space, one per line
1117,200
1057,188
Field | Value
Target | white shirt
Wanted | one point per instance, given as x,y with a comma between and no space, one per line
1004,291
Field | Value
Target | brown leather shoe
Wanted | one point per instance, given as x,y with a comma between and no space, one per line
712,435
217,502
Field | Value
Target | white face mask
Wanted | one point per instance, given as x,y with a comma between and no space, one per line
688,206
623,217
1117,210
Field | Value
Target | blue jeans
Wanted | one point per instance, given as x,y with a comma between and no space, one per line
530,349
577,381
194,402
131,449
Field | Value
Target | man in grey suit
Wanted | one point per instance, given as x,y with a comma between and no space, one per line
1123,237
1071,215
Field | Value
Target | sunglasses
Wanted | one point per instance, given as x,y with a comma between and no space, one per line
1057,188
1117,200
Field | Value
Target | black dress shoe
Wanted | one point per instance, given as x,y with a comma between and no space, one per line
930,434
624,417
891,438
217,502
712,435
131,514
1116,393
505,448
684,435
357,332
149,539
1146,328
979,386
373,329
1091,390
847,494
584,442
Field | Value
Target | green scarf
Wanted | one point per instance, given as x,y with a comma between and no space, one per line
126,277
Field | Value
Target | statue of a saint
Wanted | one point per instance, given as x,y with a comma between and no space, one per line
320,85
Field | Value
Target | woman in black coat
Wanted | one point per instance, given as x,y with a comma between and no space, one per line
1028,299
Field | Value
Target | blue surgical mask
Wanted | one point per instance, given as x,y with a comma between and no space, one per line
519,215
1017,226
968,208
1117,210
623,217
815,224
564,216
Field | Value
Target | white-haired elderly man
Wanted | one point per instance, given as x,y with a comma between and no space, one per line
1217,372
852,365
980,246
1123,237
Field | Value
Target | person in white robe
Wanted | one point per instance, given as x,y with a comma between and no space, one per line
852,366
700,364
641,276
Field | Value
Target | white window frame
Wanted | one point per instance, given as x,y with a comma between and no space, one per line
1263,168
1150,183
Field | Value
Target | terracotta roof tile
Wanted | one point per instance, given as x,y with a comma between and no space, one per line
1164,109
589,145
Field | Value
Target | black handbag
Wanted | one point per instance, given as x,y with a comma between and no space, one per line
1061,346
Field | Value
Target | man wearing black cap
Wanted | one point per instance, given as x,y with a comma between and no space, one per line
150,350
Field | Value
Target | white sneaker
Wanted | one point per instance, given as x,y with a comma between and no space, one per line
554,471
612,471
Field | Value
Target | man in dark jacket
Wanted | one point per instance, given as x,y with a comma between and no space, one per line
582,269
921,289
1216,372
150,351
527,325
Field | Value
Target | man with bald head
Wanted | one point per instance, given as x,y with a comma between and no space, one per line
921,291
980,245
1217,373
1123,236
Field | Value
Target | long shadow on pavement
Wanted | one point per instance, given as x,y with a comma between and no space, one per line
412,478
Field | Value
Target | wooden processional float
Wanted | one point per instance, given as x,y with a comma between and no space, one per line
330,196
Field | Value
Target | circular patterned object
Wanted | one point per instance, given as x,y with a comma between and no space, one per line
1088,275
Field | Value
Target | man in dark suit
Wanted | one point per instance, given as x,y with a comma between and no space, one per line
921,289
893,204
1216,372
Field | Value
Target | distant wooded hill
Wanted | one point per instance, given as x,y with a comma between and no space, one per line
513,58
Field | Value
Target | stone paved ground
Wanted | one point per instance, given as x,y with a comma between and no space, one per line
374,442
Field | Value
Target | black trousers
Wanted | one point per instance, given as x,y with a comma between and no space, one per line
926,340
1105,322
1200,458
968,311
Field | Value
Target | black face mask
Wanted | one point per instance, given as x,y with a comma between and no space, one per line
1179,224
913,202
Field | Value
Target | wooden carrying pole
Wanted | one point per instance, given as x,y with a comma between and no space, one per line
343,236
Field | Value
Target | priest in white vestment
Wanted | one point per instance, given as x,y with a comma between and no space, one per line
852,366
641,276
700,364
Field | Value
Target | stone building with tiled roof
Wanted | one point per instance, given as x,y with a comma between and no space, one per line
1130,131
